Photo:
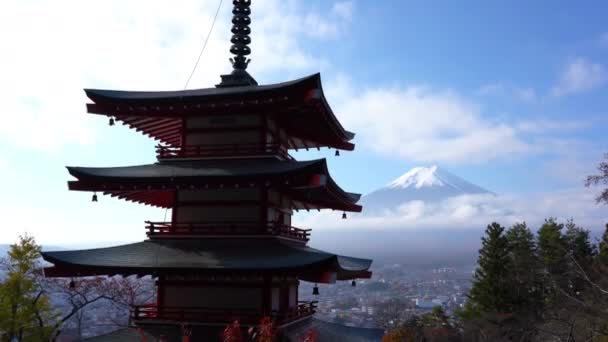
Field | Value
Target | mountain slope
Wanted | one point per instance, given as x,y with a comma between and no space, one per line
428,184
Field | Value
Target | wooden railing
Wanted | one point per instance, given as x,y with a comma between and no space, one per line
164,229
222,150
152,312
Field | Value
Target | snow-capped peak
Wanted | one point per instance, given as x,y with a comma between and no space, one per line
418,177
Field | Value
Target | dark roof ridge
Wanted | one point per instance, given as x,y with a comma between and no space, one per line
94,94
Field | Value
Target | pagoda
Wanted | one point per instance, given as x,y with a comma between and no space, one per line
230,251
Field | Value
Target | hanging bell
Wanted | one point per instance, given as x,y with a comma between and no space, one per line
94,199
111,123
344,215
353,283
315,290
72,285
337,153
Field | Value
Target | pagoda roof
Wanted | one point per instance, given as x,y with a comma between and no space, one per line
169,96
308,182
211,254
208,168
327,332
299,106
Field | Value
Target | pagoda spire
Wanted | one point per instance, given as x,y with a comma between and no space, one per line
240,38
240,49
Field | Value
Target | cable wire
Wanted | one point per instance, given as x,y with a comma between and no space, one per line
204,44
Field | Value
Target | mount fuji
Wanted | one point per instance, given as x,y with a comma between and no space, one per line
428,184
435,245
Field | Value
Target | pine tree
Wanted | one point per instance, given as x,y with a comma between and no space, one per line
602,255
602,177
552,246
525,277
490,292
578,243
25,311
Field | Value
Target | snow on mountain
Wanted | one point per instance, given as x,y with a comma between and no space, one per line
419,177
428,184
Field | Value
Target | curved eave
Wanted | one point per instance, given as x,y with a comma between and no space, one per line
191,172
323,198
159,114
200,95
348,136
207,255
309,182
330,196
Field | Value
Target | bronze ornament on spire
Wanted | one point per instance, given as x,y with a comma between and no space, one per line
240,38
240,49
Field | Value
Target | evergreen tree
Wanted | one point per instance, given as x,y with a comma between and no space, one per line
525,277
435,318
578,243
490,291
25,311
602,255
602,177
552,246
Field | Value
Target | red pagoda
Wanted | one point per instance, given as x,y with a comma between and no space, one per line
230,251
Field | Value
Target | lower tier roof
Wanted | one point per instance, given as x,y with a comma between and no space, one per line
327,332
177,256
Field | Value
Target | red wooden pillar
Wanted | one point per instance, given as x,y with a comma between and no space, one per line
284,297
263,208
174,209
160,293
267,296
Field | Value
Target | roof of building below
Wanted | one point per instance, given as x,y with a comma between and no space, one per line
215,254
327,332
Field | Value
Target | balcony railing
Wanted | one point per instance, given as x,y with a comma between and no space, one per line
222,150
153,312
170,229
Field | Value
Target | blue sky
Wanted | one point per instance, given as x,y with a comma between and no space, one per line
508,95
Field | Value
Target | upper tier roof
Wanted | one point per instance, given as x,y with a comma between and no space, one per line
298,106
199,255
308,182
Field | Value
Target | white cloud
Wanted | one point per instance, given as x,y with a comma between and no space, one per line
542,125
603,40
423,125
344,9
499,89
474,212
54,49
580,75
526,94
491,89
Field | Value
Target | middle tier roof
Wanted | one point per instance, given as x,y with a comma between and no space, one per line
307,182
